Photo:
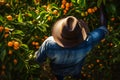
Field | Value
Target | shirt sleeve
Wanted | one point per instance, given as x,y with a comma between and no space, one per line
97,35
41,53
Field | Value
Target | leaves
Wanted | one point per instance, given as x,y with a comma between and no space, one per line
20,19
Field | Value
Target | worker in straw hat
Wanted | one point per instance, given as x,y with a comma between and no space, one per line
69,44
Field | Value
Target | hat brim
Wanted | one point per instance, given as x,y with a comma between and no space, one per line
66,43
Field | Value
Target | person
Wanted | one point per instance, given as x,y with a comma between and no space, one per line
69,44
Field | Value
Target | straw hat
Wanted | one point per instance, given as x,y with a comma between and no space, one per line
69,32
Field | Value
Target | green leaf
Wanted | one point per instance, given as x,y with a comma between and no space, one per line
18,32
99,3
24,47
20,19
1,18
2,55
73,1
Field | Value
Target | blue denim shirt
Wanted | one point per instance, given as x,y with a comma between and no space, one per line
68,61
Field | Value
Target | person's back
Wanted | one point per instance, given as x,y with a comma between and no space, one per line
68,46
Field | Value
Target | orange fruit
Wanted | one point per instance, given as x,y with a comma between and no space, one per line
71,4
16,48
49,18
10,52
1,28
62,6
67,8
9,17
82,14
16,44
6,35
112,19
65,11
10,43
37,47
90,11
15,61
86,13
3,67
6,29
95,8
33,43
101,65
103,40
36,43
64,2
42,40
67,5
97,60
2,72
45,37
111,44
55,12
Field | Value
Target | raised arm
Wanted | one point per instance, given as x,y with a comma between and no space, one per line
103,15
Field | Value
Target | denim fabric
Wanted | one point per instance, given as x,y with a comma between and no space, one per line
68,61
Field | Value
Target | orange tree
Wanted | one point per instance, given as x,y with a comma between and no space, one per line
25,24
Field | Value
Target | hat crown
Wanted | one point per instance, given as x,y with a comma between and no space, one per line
71,29
69,32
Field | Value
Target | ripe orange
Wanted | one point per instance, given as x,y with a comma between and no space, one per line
111,44
37,47
62,6
33,43
103,40
64,2
45,37
71,4
10,44
65,11
67,5
10,52
67,8
55,12
49,18
36,43
15,61
1,28
101,65
97,60
7,29
112,19
16,48
95,8
16,44
90,11
9,17
6,35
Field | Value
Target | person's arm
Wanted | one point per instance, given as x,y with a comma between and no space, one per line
98,34
103,15
40,55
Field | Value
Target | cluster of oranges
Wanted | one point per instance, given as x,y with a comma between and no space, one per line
14,44
36,44
89,11
6,34
66,6
92,10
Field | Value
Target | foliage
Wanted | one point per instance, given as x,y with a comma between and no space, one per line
25,24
